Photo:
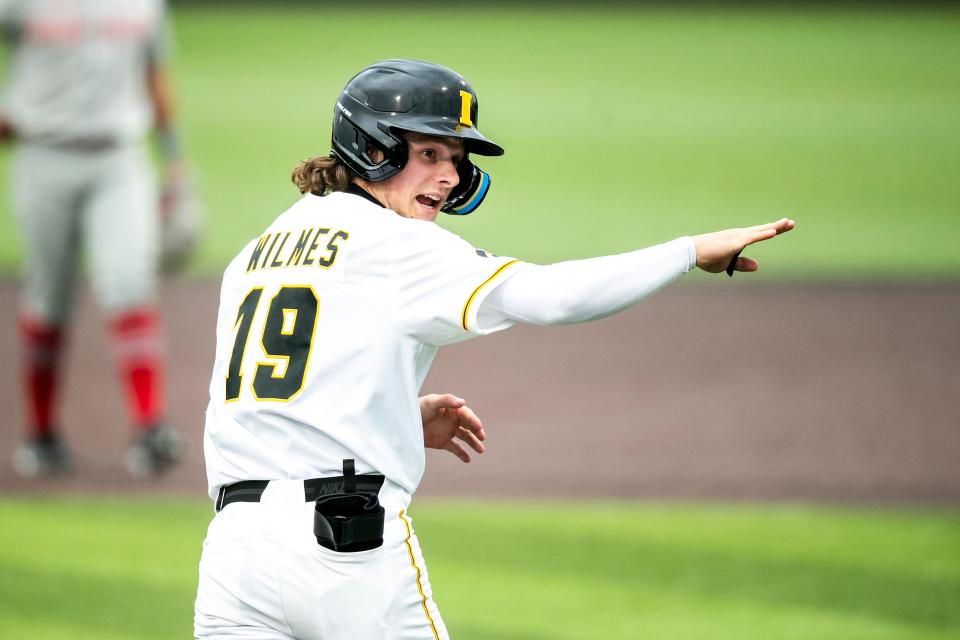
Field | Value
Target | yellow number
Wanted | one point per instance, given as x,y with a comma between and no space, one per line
465,100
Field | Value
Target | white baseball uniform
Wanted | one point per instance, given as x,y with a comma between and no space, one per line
327,326
328,323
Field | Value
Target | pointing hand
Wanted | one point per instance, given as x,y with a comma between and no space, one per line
716,251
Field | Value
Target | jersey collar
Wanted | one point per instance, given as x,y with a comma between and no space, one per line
357,190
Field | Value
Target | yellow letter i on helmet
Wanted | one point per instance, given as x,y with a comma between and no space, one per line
465,100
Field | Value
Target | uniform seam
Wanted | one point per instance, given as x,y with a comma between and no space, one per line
466,307
413,563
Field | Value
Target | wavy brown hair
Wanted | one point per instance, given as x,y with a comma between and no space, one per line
321,175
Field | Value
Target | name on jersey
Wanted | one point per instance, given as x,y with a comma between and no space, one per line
311,247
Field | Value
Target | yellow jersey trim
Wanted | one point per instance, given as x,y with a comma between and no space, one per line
413,563
466,307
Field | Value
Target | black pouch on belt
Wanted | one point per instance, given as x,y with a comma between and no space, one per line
348,521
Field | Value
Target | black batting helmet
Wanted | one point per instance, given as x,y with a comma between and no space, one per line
393,96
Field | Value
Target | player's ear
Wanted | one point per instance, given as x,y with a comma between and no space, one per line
374,154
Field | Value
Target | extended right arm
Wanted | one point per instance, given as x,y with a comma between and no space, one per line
584,290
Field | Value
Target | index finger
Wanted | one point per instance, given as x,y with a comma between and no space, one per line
443,401
780,226
767,231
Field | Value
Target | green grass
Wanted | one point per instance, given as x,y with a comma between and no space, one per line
624,126
124,568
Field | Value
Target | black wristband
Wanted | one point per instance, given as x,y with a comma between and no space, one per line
733,263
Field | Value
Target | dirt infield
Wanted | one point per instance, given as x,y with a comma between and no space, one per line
721,390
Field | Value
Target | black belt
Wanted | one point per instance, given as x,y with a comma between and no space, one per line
252,490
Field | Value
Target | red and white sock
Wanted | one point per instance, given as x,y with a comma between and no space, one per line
136,338
42,346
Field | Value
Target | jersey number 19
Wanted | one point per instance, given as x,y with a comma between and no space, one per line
287,336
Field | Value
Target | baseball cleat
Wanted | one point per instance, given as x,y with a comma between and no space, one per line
45,455
154,451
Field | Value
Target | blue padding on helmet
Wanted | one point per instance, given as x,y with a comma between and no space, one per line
478,195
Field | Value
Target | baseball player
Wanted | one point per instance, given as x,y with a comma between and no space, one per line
328,323
84,83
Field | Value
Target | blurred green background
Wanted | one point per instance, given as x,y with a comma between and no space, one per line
624,126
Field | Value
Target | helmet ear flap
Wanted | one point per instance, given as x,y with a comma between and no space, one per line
469,192
391,161
352,145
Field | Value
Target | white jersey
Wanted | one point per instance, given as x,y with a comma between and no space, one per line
328,323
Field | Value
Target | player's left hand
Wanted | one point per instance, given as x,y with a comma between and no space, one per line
181,218
446,419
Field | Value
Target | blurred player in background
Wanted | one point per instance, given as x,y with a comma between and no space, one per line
85,82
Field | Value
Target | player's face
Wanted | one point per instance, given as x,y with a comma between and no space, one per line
424,183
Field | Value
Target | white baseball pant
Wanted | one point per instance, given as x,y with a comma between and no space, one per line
264,576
